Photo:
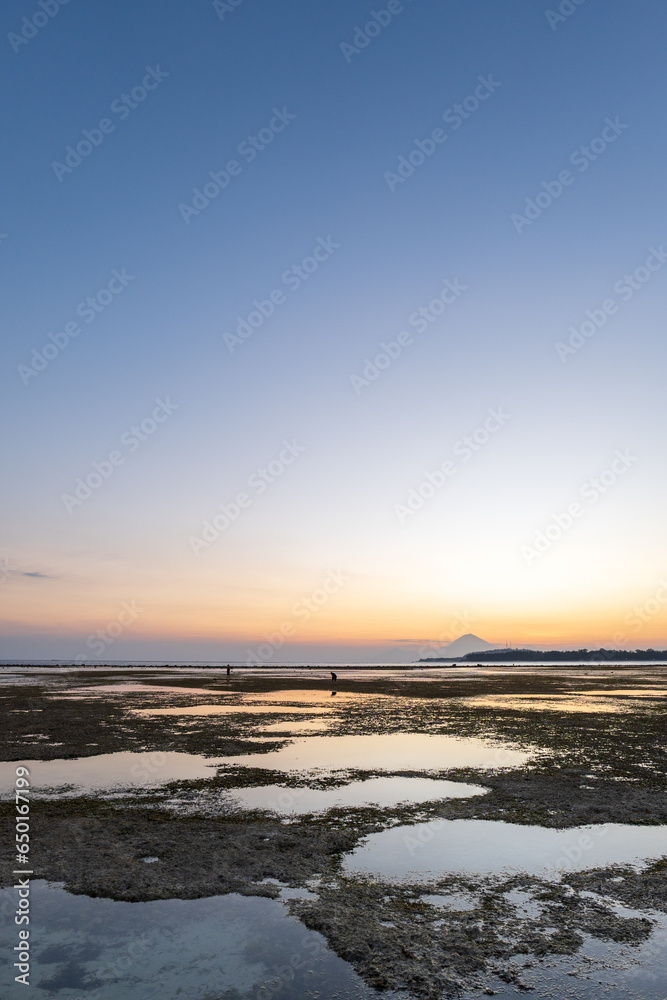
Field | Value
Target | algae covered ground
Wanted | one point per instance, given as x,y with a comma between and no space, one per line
564,748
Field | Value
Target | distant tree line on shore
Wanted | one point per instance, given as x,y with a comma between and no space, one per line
553,655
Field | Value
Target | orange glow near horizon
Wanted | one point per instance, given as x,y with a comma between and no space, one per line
238,598
375,624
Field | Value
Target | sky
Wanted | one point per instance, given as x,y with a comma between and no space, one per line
331,331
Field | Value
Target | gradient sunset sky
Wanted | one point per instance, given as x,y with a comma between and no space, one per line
500,470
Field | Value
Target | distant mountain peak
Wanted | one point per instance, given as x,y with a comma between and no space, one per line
467,643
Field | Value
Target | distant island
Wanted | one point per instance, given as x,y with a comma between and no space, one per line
552,655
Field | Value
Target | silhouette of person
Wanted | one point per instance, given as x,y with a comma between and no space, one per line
334,677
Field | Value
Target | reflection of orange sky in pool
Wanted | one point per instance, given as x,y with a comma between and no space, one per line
313,726
396,751
574,701
239,709
633,692
563,703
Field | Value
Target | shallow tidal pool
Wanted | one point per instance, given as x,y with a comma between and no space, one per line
427,851
378,792
385,752
177,949
108,772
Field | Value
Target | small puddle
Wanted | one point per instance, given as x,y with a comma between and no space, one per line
457,901
525,906
384,792
385,752
223,946
426,851
312,726
109,771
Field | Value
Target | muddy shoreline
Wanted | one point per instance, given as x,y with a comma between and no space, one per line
585,767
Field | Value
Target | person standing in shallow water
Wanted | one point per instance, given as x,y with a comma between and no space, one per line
334,677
